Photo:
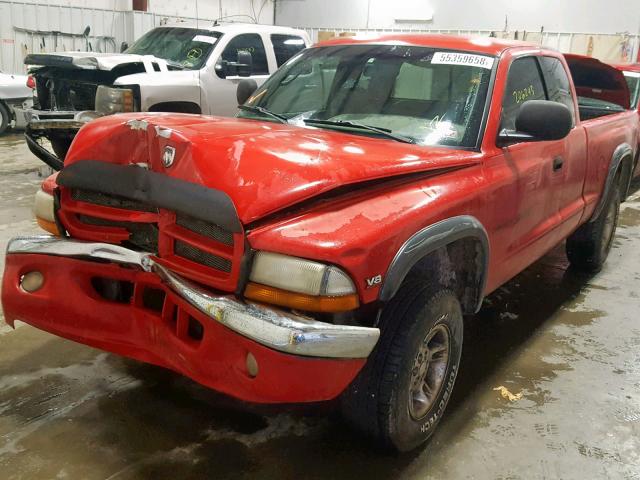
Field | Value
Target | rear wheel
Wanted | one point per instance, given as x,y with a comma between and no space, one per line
402,392
588,248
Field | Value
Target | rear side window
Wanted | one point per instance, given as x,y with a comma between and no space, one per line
557,81
524,82
286,46
252,43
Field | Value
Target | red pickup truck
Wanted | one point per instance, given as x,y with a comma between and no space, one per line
328,241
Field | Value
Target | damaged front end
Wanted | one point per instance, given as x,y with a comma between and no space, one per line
126,302
69,92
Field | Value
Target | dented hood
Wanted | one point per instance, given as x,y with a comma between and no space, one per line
92,60
262,166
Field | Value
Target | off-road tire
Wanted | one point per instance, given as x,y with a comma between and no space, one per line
588,247
378,401
5,118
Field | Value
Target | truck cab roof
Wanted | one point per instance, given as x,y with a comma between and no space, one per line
482,45
234,27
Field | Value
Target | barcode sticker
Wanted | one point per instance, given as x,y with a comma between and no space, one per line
467,59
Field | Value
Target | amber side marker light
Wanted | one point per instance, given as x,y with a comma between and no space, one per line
300,301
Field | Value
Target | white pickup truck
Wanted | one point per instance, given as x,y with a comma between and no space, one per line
174,68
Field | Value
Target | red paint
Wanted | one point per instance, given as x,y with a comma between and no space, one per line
265,167
49,183
619,94
68,306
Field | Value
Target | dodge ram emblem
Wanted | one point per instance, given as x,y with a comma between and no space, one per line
168,156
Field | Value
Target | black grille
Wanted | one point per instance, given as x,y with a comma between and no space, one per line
70,95
204,228
105,200
199,256
141,235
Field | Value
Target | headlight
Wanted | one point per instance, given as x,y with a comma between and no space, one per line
43,210
114,100
300,284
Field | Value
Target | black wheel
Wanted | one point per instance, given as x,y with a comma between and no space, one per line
5,118
60,147
400,395
589,246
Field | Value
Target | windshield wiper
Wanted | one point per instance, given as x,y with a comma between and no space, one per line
264,111
385,132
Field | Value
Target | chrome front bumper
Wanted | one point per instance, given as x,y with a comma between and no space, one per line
274,328
65,120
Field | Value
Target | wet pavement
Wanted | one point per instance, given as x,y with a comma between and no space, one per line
568,343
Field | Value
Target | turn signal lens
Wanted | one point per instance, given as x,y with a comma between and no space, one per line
50,227
300,301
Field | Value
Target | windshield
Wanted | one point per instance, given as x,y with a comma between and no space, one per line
186,47
633,79
429,96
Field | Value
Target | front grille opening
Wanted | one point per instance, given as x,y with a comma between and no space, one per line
118,291
99,198
173,318
203,228
153,299
194,254
142,235
195,330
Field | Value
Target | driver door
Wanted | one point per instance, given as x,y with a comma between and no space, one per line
532,177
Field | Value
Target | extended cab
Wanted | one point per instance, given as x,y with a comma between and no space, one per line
174,68
329,241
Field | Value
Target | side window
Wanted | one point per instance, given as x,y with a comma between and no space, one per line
523,83
557,81
252,43
286,46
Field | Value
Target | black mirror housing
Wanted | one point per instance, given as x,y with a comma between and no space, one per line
123,46
544,120
538,121
245,89
244,64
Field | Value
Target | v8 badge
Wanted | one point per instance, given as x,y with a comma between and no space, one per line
373,281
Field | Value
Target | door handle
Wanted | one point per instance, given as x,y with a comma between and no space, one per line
558,162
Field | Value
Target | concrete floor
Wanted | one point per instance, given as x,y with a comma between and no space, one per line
570,344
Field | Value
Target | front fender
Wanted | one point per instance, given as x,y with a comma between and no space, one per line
432,238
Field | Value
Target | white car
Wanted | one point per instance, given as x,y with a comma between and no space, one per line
15,97
174,68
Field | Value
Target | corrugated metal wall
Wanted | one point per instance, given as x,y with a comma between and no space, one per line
38,27
29,27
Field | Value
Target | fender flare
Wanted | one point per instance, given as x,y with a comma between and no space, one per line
430,239
623,151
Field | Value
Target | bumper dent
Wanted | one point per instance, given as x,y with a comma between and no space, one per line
270,327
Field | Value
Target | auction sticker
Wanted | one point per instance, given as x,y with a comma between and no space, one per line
466,59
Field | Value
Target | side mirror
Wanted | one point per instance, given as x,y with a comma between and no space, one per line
537,121
245,89
123,46
245,64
